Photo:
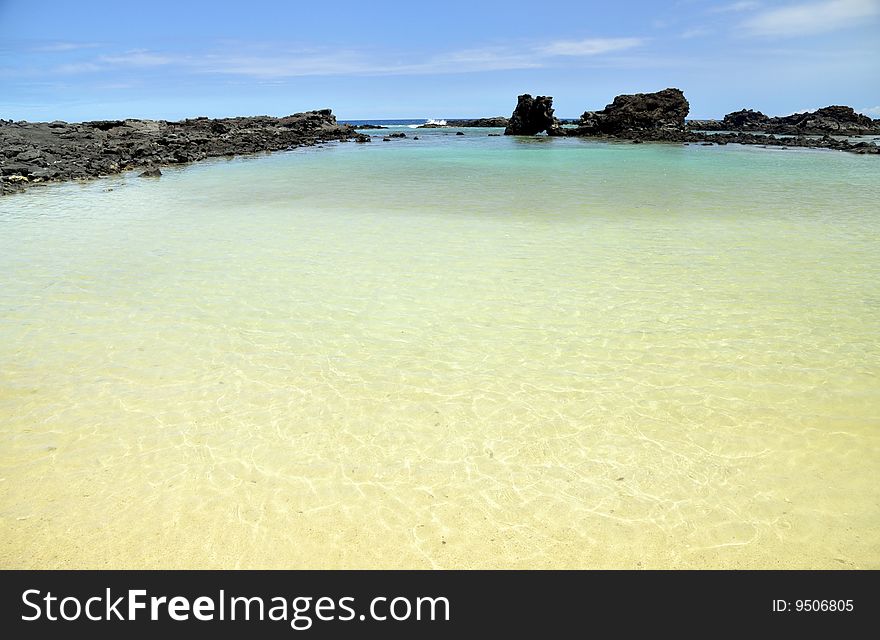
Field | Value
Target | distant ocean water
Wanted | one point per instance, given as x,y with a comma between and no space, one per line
404,123
457,351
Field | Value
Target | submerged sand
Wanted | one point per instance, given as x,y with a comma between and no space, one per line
495,354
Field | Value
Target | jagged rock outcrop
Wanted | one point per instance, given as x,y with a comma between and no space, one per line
533,116
835,119
497,121
35,152
770,140
745,120
660,117
637,115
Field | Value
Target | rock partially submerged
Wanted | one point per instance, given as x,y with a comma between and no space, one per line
833,120
771,140
496,121
533,116
745,120
660,117
639,114
35,152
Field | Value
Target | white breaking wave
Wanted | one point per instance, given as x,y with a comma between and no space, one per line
428,121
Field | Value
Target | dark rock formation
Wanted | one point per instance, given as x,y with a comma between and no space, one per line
704,125
37,152
637,114
660,117
153,172
497,121
532,116
368,126
811,142
834,120
745,120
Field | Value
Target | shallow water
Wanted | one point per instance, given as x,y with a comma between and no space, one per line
461,351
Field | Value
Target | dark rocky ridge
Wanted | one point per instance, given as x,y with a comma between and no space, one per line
636,114
833,120
496,121
37,152
660,117
532,116
745,137
745,120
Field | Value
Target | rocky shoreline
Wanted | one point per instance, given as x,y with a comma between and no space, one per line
39,152
661,117
495,121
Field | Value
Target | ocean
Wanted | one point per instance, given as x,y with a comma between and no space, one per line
453,352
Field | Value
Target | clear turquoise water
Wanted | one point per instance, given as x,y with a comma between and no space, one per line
461,351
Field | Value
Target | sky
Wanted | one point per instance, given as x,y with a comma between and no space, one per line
159,59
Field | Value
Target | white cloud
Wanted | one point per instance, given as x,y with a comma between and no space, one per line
317,63
810,18
61,47
287,65
78,67
874,112
697,32
139,58
267,64
589,46
736,7
486,59
129,59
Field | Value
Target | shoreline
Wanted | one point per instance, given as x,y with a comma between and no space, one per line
606,340
50,152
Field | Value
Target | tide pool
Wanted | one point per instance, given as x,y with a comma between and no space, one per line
455,352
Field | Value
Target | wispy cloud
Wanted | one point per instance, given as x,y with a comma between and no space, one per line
284,65
736,7
589,46
129,59
330,63
478,59
499,58
63,47
267,64
697,32
874,112
138,58
810,18
78,67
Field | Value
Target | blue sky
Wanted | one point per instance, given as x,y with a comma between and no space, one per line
158,59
